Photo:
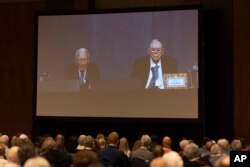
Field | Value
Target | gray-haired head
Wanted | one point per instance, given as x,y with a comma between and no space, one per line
37,162
81,51
82,58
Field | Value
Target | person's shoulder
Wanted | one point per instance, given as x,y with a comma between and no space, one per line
142,60
93,66
167,57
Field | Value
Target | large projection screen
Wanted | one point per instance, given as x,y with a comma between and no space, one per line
115,41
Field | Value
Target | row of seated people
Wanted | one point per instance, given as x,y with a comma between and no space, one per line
113,152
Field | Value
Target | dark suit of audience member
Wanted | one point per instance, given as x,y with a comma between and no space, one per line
143,68
142,153
113,154
56,155
83,70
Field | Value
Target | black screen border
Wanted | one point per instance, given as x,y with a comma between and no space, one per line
201,96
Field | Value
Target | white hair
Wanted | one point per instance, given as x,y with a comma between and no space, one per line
81,50
223,145
81,139
173,159
155,43
183,143
191,151
37,162
23,136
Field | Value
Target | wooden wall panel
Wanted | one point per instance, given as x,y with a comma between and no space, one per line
17,45
106,4
242,68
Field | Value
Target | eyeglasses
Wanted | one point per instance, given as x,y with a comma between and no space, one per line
155,50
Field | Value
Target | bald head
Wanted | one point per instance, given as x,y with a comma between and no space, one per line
166,142
12,155
158,162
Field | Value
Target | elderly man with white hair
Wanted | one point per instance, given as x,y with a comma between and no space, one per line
143,153
173,159
84,70
37,162
191,156
150,69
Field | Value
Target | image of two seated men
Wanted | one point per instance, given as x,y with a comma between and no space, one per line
148,69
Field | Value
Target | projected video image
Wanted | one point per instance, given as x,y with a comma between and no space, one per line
118,56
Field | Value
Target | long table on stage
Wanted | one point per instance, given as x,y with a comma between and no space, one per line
181,103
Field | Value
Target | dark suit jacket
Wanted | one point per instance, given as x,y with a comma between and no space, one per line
72,73
141,67
116,156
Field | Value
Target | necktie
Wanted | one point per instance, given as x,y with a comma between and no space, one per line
154,76
82,80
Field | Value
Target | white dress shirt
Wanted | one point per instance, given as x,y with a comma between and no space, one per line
159,82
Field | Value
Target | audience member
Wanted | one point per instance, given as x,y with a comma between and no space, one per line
173,159
124,146
143,152
71,144
5,140
166,142
89,143
37,162
236,145
136,146
157,151
12,157
102,143
85,158
112,154
191,156
215,155
81,142
55,153
244,146
183,143
223,161
3,161
223,145
100,136
158,162
25,152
